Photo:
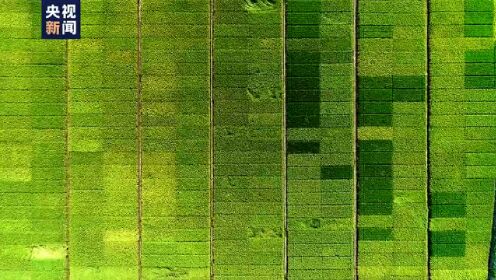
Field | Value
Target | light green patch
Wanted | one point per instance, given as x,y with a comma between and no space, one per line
374,272
103,273
48,252
257,6
263,94
16,174
159,109
86,145
440,224
17,155
455,274
17,252
120,236
86,107
11,19
376,221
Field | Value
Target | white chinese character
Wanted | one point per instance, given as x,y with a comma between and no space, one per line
69,27
52,11
69,11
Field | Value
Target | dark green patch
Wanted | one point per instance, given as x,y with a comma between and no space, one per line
385,170
376,94
478,31
449,198
374,183
303,31
366,82
375,209
479,82
375,196
480,56
449,243
303,81
375,145
303,147
448,237
479,18
314,223
416,82
376,108
303,96
375,120
409,95
335,172
303,6
480,69
447,250
478,5
448,211
302,18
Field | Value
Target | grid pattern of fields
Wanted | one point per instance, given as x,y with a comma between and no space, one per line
319,123
247,202
101,152
392,225
250,140
175,131
462,153
33,110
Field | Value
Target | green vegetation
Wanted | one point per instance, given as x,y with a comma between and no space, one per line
32,113
462,180
248,138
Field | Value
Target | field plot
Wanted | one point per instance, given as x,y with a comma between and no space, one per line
102,152
320,137
176,139
392,208
250,140
32,113
462,139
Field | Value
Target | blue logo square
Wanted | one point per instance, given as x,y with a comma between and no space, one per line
61,19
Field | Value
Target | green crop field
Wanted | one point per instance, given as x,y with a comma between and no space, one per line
250,140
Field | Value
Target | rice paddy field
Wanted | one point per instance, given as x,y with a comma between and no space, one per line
250,140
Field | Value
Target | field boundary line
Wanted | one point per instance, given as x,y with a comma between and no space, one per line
284,144
139,140
355,108
67,164
212,141
428,135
